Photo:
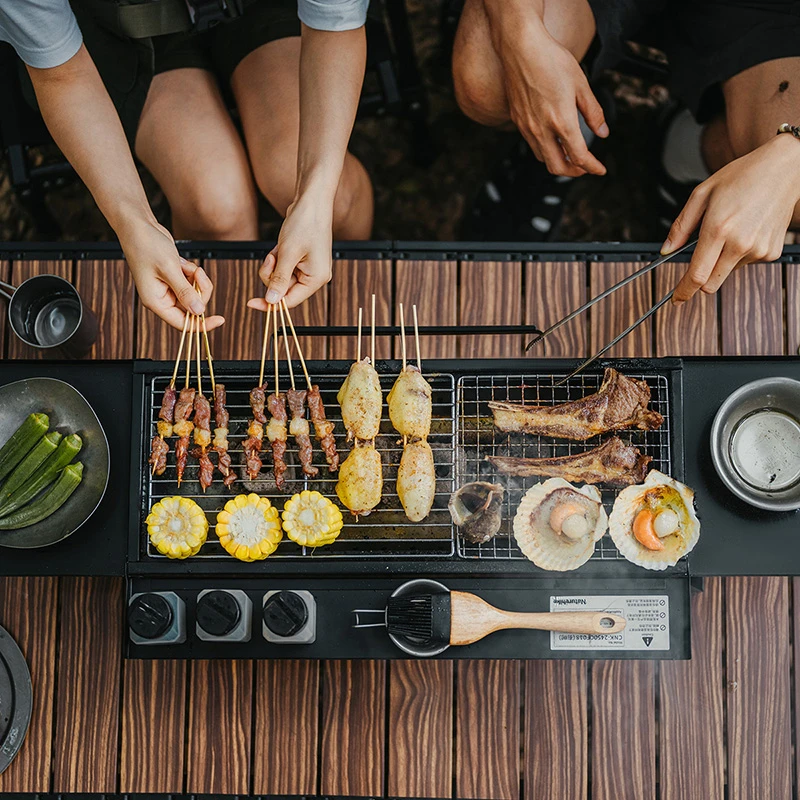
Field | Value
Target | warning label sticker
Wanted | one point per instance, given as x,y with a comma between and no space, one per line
647,618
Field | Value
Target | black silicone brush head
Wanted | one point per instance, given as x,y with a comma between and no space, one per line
422,619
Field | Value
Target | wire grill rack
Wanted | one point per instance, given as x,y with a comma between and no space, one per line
477,438
385,533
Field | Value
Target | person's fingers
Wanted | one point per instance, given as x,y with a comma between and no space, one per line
575,147
555,159
197,275
592,111
281,277
300,292
728,261
704,260
212,322
687,220
260,303
165,308
268,267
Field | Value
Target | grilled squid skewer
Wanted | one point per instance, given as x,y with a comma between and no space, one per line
361,401
299,428
416,480
360,482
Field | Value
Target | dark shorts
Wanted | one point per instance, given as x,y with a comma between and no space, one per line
706,41
127,66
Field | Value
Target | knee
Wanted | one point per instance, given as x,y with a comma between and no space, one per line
353,204
276,171
221,209
476,93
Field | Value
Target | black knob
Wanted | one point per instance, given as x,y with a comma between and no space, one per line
285,613
150,616
218,613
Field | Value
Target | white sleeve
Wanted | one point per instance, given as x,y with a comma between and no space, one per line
332,15
44,33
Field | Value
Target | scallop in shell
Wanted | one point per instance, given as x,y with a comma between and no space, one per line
476,508
557,524
654,524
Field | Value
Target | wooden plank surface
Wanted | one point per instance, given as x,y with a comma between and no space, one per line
286,727
353,284
153,726
220,725
793,309
314,312
759,691
556,742
487,730
690,329
21,271
553,290
433,286
28,611
691,723
108,289
623,730
421,729
88,679
612,315
353,728
5,276
490,292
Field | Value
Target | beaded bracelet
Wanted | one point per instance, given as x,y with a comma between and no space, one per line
787,128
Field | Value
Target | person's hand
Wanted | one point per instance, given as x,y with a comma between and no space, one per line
164,280
546,88
745,209
301,261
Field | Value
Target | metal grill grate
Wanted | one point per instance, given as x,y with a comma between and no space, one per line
477,438
384,533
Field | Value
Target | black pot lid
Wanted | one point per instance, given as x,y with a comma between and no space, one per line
16,695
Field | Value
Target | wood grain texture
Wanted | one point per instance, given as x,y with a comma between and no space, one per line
553,290
690,329
353,284
793,308
153,726
556,740
287,727
421,729
490,292
28,611
107,288
487,730
623,730
220,724
432,285
611,316
353,728
5,276
314,312
21,271
752,311
691,722
759,691
89,671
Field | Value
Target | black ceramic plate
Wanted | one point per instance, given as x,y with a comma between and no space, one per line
69,413
16,695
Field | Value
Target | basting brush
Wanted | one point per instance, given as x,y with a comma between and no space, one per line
460,618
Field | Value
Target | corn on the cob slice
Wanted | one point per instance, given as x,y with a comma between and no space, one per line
311,519
249,527
177,527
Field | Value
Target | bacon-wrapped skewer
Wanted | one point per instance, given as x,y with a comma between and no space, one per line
183,428
202,440
220,443
298,427
323,428
255,433
276,433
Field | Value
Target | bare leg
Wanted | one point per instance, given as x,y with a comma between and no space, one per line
477,71
187,140
266,85
756,102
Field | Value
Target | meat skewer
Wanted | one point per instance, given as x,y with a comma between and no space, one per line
255,434
202,426
298,427
183,426
276,428
322,426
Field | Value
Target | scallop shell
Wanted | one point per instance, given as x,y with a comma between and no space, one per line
677,545
540,543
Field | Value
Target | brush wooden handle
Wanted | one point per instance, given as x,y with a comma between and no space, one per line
472,618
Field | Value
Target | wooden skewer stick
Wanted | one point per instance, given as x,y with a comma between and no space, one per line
275,343
416,337
264,346
359,333
208,356
296,342
199,373
403,335
180,350
189,352
372,335
288,355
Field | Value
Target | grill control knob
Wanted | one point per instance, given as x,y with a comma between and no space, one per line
285,613
218,613
150,616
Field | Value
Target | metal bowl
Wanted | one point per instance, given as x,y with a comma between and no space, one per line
755,443
419,586
16,699
69,413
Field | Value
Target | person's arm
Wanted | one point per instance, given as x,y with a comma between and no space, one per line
545,87
743,211
332,67
84,124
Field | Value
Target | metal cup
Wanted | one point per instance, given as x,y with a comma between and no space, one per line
46,312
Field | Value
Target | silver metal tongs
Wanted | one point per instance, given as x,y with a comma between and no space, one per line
624,282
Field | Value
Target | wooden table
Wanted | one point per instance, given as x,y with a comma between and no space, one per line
718,726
